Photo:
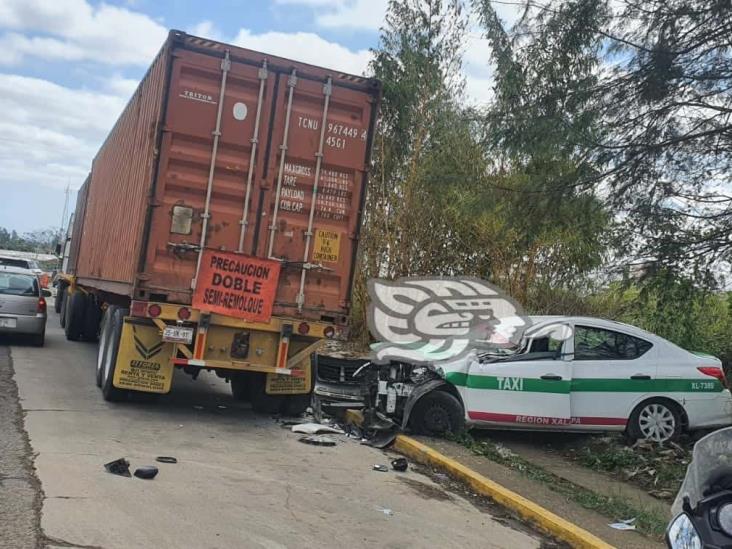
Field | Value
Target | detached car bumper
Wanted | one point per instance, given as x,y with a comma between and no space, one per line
24,324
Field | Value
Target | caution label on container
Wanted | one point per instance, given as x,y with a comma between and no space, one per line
237,285
143,361
327,246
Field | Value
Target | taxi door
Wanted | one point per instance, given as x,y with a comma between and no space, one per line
530,390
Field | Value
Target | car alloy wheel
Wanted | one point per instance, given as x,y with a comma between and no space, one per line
656,422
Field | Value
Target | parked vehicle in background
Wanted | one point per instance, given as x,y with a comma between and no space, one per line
22,263
607,376
218,227
22,304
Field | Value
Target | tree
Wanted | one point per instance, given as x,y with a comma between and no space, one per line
654,78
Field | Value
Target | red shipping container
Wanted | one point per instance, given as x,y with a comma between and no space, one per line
239,151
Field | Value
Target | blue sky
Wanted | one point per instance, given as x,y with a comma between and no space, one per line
67,68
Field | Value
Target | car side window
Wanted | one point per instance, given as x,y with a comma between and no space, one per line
545,345
600,344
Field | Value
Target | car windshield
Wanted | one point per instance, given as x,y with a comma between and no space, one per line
18,284
12,262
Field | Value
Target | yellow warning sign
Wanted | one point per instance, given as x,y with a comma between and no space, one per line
327,246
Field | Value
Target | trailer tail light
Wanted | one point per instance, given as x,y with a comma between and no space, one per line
303,328
41,305
329,332
184,313
714,371
138,308
154,310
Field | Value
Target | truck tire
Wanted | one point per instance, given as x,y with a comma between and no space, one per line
60,291
63,296
240,386
263,403
75,309
295,405
92,318
103,342
109,391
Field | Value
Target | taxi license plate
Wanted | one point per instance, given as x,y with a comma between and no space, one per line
8,323
178,334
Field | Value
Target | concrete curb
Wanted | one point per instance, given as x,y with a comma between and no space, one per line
544,519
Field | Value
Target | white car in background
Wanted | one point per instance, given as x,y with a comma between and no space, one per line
605,376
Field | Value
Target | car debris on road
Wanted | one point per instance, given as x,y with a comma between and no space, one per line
119,467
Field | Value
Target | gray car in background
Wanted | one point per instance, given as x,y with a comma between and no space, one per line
22,304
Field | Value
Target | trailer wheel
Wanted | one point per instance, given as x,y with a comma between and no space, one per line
92,318
75,309
261,401
240,386
103,342
63,296
60,291
114,333
296,405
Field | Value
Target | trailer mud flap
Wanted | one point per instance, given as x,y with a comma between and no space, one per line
299,383
143,362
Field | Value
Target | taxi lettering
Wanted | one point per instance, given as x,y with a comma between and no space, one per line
510,383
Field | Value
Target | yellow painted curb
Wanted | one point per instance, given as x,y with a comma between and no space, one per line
544,519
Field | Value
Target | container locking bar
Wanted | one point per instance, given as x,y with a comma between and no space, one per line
225,67
291,83
253,156
327,91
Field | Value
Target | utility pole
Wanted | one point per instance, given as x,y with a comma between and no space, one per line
66,208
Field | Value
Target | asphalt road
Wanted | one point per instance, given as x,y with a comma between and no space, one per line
241,480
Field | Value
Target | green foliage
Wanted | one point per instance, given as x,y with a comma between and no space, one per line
43,241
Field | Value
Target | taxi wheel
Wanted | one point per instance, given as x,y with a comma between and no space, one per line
109,391
437,413
657,420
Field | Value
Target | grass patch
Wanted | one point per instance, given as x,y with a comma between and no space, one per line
657,469
647,522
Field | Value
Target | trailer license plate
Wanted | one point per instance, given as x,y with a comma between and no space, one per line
8,323
178,334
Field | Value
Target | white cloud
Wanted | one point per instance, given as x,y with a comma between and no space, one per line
50,133
207,29
306,47
75,30
352,14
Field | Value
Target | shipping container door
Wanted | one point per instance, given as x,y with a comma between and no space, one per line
335,119
187,156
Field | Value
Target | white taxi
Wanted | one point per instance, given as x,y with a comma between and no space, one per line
601,375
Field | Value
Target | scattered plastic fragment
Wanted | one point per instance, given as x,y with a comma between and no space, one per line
166,459
387,512
198,407
399,464
623,524
221,407
119,467
314,429
146,472
381,439
318,440
380,467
